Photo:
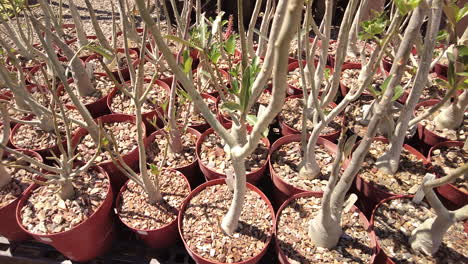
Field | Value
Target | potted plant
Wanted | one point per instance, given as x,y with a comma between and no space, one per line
239,149
425,231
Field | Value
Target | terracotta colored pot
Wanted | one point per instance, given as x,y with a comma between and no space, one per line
192,171
125,71
311,40
343,88
117,177
287,130
45,153
294,90
210,174
148,117
86,241
450,192
382,257
441,69
283,190
97,108
197,258
425,135
161,238
370,192
363,221
9,227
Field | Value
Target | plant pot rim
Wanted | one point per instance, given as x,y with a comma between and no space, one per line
116,90
118,201
15,129
370,232
190,130
34,186
247,174
332,104
289,139
83,131
219,182
426,162
27,152
450,143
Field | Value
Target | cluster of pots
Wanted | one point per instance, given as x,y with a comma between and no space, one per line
95,235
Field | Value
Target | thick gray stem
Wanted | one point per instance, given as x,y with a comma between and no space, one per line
390,161
451,117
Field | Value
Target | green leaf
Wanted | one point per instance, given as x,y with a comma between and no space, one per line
183,41
245,88
182,93
101,51
462,50
348,146
442,35
398,92
406,6
373,27
461,13
252,119
235,87
154,169
230,45
442,83
385,84
464,74
231,106
164,105
214,55
327,73
188,65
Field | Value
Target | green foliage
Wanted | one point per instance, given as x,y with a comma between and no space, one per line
461,13
372,28
443,35
406,6
230,44
154,169
378,93
9,8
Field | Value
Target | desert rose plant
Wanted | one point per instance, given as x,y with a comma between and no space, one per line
287,18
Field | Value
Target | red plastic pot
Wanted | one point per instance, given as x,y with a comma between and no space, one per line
281,189
46,152
363,221
148,117
382,257
97,108
287,130
343,88
117,177
9,227
425,135
455,196
253,177
191,171
161,238
125,71
197,258
86,241
293,90
372,193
